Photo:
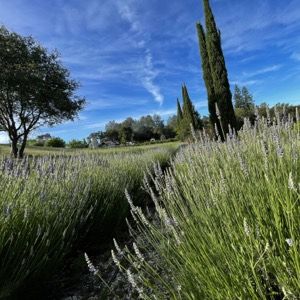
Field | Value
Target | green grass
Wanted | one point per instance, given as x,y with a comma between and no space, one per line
41,151
227,222
49,203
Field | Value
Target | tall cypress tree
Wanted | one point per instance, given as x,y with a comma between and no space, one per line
208,79
218,70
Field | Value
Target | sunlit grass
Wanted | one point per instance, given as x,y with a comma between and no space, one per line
41,151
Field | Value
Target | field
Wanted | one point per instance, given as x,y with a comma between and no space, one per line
223,222
43,151
226,222
50,201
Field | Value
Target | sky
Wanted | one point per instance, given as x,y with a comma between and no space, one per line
131,57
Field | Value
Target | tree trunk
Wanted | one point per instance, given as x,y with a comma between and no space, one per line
22,148
14,147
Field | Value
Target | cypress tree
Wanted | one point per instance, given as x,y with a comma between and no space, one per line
208,79
179,121
179,111
218,70
184,127
189,114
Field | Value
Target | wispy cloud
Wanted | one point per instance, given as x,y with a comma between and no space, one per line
164,113
262,71
148,73
115,102
148,79
254,78
128,14
296,56
97,125
245,82
262,23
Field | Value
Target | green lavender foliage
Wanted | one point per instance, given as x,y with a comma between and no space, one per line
227,220
49,203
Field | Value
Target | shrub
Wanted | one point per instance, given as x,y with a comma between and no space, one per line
77,144
38,144
56,143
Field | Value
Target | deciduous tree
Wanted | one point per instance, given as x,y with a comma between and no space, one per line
35,89
244,105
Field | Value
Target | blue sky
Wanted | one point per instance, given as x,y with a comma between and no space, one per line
131,56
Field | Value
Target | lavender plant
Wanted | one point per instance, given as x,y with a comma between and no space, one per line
48,202
227,220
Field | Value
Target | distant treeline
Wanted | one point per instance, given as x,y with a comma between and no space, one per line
245,107
179,126
141,130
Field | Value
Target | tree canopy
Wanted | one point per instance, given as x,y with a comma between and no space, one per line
244,105
141,130
35,89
